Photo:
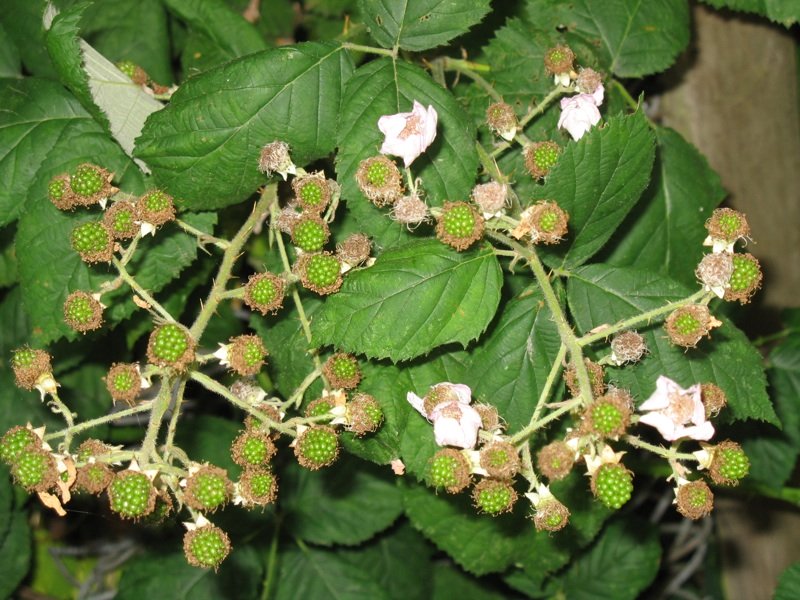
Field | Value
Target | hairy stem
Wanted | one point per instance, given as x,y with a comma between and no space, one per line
202,236
173,421
668,453
531,428
158,408
370,49
143,407
65,412
141,292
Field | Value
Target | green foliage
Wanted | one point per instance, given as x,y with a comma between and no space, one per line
780,11
15,542
789,583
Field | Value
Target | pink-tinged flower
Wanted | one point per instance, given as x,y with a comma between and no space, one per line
579,113
455,422
676,412
409,134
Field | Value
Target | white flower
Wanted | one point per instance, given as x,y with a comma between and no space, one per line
408,134
223,355
579,113
455,422
676,412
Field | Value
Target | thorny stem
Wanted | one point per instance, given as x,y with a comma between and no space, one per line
555,369
297,397
229,258
370,49
144,406
141,292
469,69
214,386
65,412
202,236
272,561
173,421
639,319
668,453
158,408
534,426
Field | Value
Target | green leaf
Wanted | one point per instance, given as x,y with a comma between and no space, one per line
420,24
597,181
620,565
632,38
780,11
230,33
22,20
450,582
170,576
10,65
15,541
413,299
789,583
384,87
347,503
398,560
598,294
374,222
45,131
208,438
204,147
664,233
510,366
310,573
9,266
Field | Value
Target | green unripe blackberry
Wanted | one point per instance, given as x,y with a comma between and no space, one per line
379,180
555,460
342,371
208,488
15,441
695,499
687,325
93,241
500,460
541,157
313,192
124,382
252,448
745,279
131,495
29,365
206,547
610,415
317,447
727,225
59,193
320,272
729,465
264,292
246,354
559,59
551,515
494,496
170,346
120,218
82,312
364,414
448,469
502,120
459,225
545,221
612,484
128,67
319,407
155,207
34,469
310,234
258,486
94,477
86,181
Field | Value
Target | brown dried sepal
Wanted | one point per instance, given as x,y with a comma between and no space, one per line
555,460
715,270
275,158
354,250
359,417
695,500
628,346
391,189
696,315
551,515
588,81
500,460
727,224
155,217
488,484
110,216
410,211
490,197
490,418
559,59
713,398
240,347
596,378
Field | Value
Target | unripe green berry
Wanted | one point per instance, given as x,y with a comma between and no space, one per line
208,489
342,371
320,272
687,325
86,181
29,365
379,180
15,441
264,292
541,157
252,449
319,407
317,447
170,346
493,496
459,221
500,460
131,495
450,470
729,465
613,485
745,279
124,382
56,189
155,207
128,67
313,192
246,354
694,499
93,241
310,234
34,469
258,486
610,415
206,547
82,312
459,225
364,414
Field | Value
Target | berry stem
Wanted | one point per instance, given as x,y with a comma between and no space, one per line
173,421
232,253
370,49
141,292
158,407
668,453
297,396
470,69
57,406
527,467
145,406
629,100
202,237
555,370
531,428
219,389
645,317
272,560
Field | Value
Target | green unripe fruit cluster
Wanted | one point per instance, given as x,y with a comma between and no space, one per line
309,235
733,463
30,468
56,189
606,418
15,441
613,485
86,181
131,495
377,173
209,490
545,156
170,343
311,193
206,547
745,273
495,499
459,221
317,447
686,324
90,238
322,270
157,201
442,472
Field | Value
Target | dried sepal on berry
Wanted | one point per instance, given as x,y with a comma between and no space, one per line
342,371
29,366
379,180
555,460
745,278
136,73
312,191
163,509
246,354
363,414
502,120
609,415
596,375
725,227
540,157
264,292
687,325
82,312
310,233
459,225
93,241
588,81
89,185
551,515
545,222
494,496
559,59
627,347
500,460
319,407
206,546
694,499
124,382
269,410
490,197
155,208
59,193
729,464
410,211
131,494
287,217
490,418
16,440
253,448
257,487
320,272
275,158
714,272
207,488
449,470
713,398
354,250
317,447
35,469
171,345
120,218
93,476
